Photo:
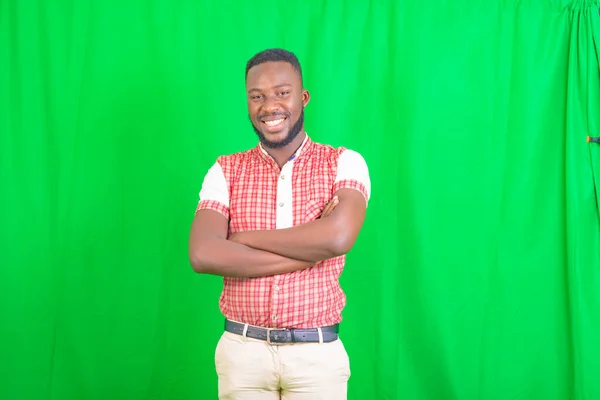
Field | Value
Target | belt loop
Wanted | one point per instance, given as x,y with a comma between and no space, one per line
245,331
320,335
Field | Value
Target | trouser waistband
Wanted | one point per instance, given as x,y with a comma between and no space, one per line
324,334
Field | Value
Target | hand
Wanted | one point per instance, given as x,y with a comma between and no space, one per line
329,207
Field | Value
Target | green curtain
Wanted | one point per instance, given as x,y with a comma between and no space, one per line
477,273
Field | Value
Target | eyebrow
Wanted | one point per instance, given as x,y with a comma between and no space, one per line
274,87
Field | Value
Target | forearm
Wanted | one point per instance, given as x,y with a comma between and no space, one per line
226,258
314,241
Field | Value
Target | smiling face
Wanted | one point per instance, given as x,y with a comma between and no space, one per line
276,102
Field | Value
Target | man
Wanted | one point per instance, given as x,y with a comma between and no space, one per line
276,222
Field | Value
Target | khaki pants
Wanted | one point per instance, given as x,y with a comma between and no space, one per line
251,369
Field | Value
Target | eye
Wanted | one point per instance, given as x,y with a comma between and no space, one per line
256,97
284,93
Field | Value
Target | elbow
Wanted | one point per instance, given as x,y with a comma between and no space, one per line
197,265
341,239
342,244
197,262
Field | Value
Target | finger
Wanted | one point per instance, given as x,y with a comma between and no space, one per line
331,205
326,209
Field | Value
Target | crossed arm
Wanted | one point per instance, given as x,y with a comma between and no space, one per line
271,252
318,240
211,253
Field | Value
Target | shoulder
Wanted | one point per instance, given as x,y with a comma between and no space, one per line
353,172
339,154
328,152
233,162
351,156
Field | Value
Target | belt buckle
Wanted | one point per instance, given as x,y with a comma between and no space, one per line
269,330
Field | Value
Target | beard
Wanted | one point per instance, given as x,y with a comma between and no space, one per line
293,132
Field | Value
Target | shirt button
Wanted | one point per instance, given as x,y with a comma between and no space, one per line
274,317
281,204
276,287
282,177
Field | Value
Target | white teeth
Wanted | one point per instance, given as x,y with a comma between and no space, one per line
274,122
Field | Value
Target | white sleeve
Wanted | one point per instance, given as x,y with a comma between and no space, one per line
353,167
214,186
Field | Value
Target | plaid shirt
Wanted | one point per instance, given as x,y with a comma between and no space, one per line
252,191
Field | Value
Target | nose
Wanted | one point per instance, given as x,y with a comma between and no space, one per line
271,104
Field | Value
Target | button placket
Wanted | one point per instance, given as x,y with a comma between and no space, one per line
284,199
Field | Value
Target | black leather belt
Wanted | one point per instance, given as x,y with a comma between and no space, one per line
281,336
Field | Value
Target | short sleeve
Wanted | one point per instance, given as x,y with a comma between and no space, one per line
214,194
353,173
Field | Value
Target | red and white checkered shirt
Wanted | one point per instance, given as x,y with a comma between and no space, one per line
252,191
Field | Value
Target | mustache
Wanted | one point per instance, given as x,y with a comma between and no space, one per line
275,115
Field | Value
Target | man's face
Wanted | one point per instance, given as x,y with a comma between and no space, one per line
276,102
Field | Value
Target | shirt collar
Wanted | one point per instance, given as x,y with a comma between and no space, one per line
305,145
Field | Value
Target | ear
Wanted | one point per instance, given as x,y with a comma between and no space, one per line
305,97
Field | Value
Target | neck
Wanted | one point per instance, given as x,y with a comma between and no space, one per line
281,156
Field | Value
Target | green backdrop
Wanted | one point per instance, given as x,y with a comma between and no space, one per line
477,273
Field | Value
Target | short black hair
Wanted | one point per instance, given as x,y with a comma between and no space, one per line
274,55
